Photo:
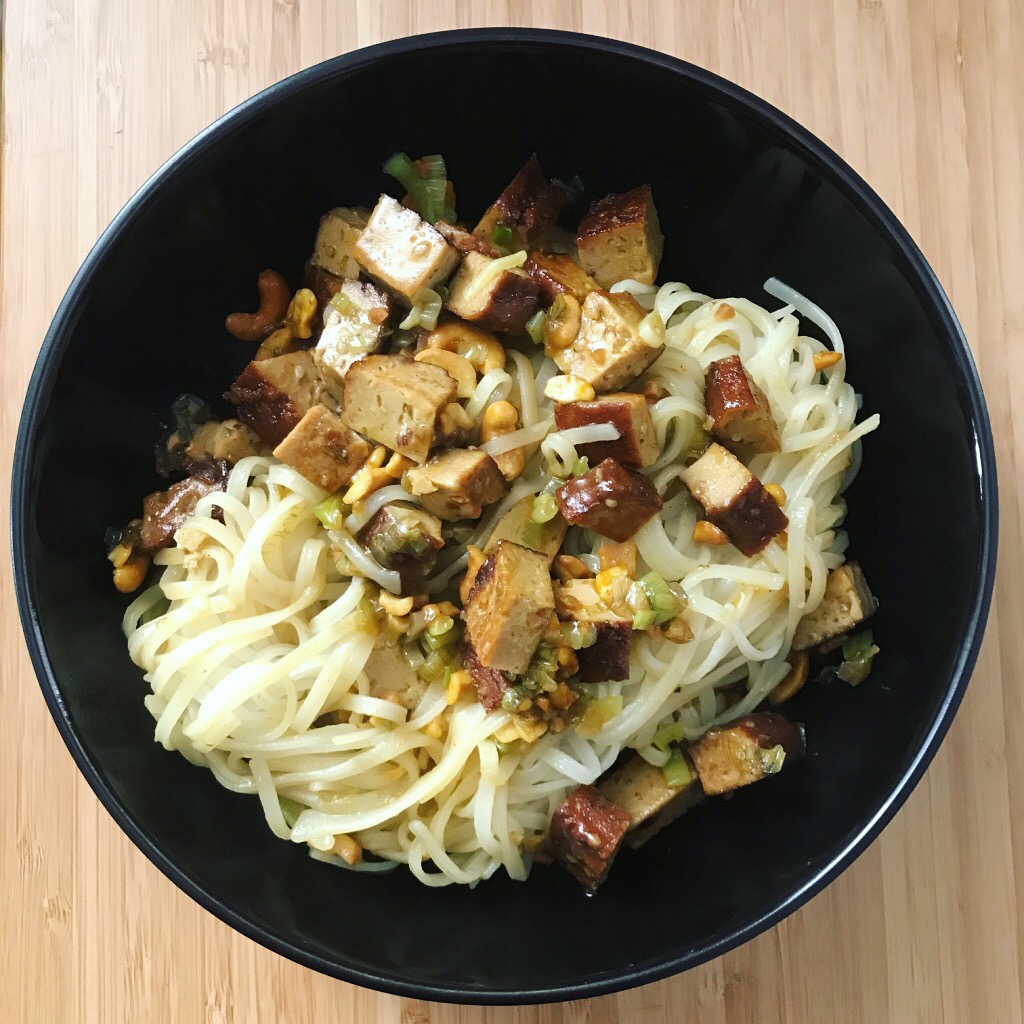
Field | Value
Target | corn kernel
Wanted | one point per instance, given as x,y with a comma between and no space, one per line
823,360
707,533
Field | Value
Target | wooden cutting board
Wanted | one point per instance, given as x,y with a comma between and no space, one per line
926,99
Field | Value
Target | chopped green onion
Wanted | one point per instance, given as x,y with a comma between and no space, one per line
441,625
291,809
676,771
331,512
858,653
513,698
502,235
664,604
668,732
428,192
581,466
434,643
190,413
644,619
545,508
598,714
535,326
579,635
433,667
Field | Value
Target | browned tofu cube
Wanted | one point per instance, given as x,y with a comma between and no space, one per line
165,512
529,206
490,683
323,449
607,659
517,525
637,444
509,608
406,539
404,253
272,395
612,500
847,603
640,789
620,238
228,440
558,273
336,238
735,500
457,484
742,417
609,350
355,325
745,751
499,301
586,832
466,242
397,402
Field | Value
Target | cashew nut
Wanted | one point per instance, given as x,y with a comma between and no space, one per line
301,311
280,343
274,296
459,368
501,418
563,323
483,350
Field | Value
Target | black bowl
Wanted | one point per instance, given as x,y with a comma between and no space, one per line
744,193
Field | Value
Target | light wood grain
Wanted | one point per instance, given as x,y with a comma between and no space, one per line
926,99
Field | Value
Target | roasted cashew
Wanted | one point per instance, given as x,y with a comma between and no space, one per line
274,297
501,418
483,350
459,368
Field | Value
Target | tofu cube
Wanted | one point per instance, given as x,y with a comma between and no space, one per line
272,395
336,238
401,251
406,539
847,603
355,325
745,751
517,526
557,274
528,206
397,402
496,299
490,683
742,418
612,500
609,351
586,833
607,659
229,440
578,600
637,444
620,238
509,608
735,500
457,484
323,449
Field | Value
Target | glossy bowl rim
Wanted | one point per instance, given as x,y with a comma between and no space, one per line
810,148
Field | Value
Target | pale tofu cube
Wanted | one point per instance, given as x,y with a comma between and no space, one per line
229,440
403,252
457,484
517,525
355,325
323,449
334,249
847,603
499,300
510,607
609,350
397,402
620,238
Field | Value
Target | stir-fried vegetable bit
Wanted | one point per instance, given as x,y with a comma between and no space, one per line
426,182
858,655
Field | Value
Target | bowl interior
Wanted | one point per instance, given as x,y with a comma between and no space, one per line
740,199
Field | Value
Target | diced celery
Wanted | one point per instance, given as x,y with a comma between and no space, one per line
677,772
666,733
331,512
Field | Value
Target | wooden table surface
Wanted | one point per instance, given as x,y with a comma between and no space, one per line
926,99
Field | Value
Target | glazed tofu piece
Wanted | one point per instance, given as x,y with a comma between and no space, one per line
406,539
490,683
404,253
457,484
335,248
586,832
498,300
558,273
609,350
355,325
620,238
223,440
517,526
637,444
742,418
323,449
847,603
640,789
272,395
165,512
509,608
465,241
397,402
735,500
745,751
612,500
607,659
528,206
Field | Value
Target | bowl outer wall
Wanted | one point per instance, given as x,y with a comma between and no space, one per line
435,944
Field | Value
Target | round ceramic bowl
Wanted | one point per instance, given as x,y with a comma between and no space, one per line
744,193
